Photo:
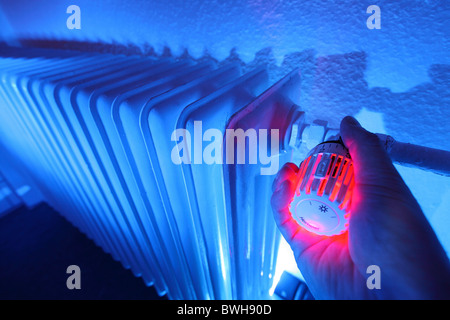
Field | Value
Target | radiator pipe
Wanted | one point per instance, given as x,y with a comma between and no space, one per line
411,155
433,160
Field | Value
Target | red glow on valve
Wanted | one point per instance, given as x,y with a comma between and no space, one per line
324,190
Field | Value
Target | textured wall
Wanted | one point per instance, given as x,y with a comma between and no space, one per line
341,58
413,34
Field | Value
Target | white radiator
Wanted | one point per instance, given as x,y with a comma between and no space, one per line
98,132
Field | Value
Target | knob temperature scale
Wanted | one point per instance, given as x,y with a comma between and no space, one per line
324,189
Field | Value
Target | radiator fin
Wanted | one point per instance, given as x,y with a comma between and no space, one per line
95,130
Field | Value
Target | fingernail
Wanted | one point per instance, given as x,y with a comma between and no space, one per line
352,121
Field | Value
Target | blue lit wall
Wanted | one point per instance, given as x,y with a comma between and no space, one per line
413,35
408,54
395,80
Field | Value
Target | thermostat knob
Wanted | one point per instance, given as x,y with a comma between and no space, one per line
323,195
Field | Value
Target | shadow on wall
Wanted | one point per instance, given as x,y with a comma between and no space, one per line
332,87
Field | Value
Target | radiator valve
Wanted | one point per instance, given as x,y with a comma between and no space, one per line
324,189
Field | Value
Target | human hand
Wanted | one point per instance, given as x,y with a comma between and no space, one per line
387,228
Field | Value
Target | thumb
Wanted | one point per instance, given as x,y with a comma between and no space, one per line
371,162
